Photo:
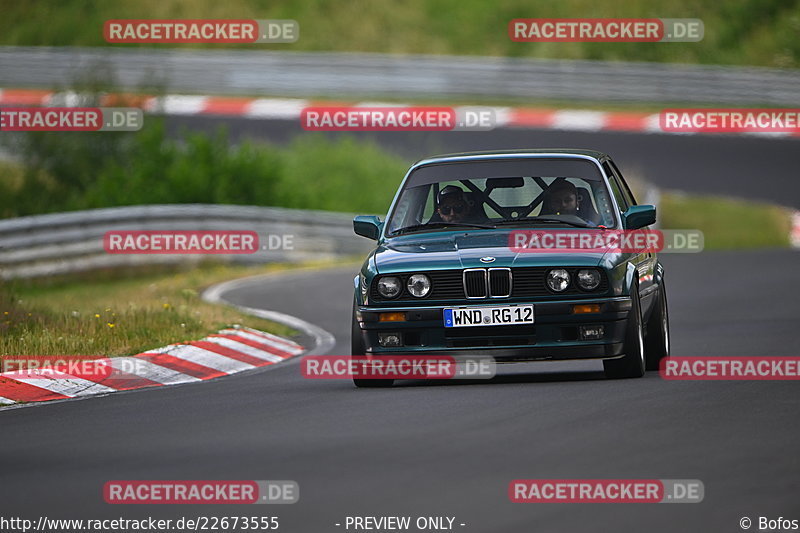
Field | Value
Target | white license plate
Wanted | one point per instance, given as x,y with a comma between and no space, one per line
460,317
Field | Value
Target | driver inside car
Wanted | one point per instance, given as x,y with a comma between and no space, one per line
452,205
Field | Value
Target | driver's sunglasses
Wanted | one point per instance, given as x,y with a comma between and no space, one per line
452,209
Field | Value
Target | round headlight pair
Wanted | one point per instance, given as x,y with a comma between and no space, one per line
419,285
558,279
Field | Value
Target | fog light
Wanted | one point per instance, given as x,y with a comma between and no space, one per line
591,333
391,317
388,340
585,308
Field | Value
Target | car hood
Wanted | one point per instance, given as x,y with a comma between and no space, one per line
440,251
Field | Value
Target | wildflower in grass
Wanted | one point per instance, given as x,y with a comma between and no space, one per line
188,293
96,315
110,324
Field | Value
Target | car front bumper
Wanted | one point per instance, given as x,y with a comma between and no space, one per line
555,334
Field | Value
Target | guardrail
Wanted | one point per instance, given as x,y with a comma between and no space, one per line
381,75
60,243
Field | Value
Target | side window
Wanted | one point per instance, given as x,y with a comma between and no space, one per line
615,189
409,207
430,205
625,189
604,207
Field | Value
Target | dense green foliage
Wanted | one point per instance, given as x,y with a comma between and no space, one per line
64,172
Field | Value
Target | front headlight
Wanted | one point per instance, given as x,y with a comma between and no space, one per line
389,287
588,279
419,285
558,279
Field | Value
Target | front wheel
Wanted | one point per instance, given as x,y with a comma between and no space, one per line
357,348
631,365
656,344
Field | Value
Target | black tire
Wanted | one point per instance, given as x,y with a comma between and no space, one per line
631,365
357,348
656,342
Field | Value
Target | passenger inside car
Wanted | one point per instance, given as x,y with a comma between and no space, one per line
561,198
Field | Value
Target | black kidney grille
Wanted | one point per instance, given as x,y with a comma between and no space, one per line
500,282
475,283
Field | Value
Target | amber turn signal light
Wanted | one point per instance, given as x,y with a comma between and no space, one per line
392,317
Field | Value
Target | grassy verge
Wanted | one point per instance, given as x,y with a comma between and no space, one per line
745,32
120,313
727,223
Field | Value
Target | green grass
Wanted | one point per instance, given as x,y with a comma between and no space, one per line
740,32
120,312
727,223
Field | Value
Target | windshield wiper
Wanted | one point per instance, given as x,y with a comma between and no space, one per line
409,229
543,219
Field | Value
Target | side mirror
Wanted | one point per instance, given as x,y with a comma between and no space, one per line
639,216
368,226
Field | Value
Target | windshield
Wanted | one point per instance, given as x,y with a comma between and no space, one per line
486,194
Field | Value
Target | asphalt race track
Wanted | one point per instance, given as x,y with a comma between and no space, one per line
448,450
451,449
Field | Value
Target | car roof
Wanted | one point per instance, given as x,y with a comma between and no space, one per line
530,152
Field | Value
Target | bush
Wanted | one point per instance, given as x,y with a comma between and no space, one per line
71,171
